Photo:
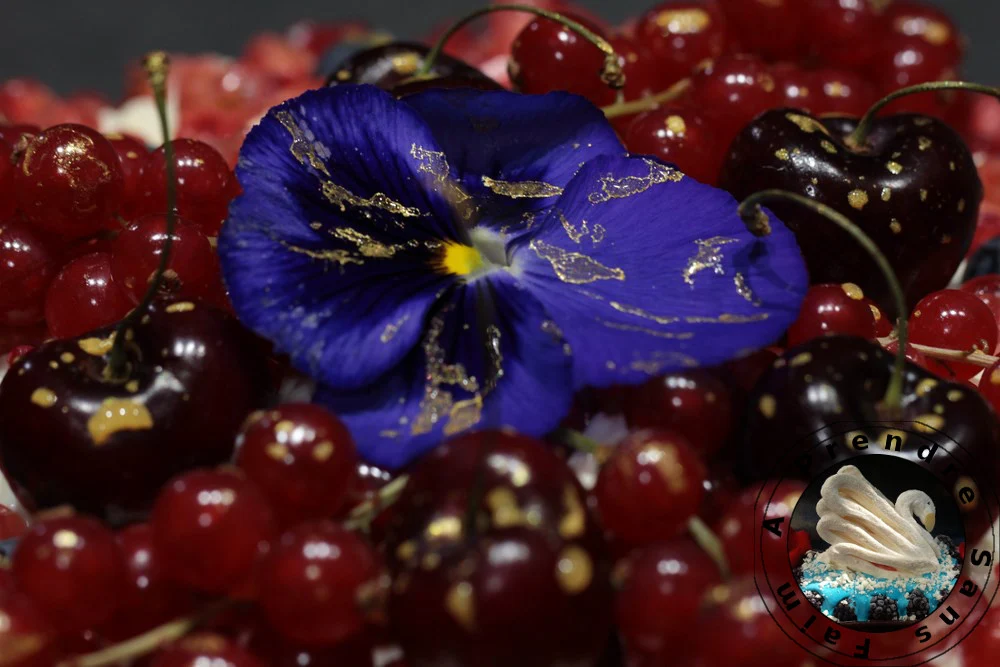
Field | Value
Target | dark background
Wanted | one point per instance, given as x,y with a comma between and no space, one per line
84,44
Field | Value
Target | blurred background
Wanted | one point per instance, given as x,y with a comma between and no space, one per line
85,45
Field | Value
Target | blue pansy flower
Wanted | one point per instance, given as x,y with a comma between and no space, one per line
464,260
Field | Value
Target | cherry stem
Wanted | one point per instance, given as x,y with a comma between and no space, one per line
576,440
859,136
619,109
710,544
757,222
147,642
611,72
975,357
157,66
363,513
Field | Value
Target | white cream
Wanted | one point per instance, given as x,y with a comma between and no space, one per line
869,534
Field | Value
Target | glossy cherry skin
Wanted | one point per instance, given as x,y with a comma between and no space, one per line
914,191
211,527
193,267
772,29
681,135
643,74
12,133
840,91
12,525
743,517
70,435
132,155
205,184
73,569
832,309
27,266
694,404
735,88
681,34
650,487
26,638
204,649
987,289
954,320
845,33
301,457
903,61
391,64
7,203
69,181
662,589
84,296
316,582
883,325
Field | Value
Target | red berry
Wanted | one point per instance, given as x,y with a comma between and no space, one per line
22,99
70,181
27,266
839,91
883,325
193,268
73,569
832,309
131,156
12,525
26,638
735,88
315,582
301,457
205,184
643,74
681,135
773,29
916,19
7,204
84,297
18,352
204,650
746,514
794,85
987,289
211,527
681,34
903,61
12,133
954,320
650,487
695,404
912,354
844,33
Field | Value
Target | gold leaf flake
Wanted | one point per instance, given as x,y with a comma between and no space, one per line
572,267
365,244
392,328
806,123
301,148
894,168
652,332
44,397
857,199
709,256
629,186
118,414
683,21
574,570
342,197
522,189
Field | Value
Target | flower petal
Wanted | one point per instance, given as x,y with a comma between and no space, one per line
440,389
648,271
328,252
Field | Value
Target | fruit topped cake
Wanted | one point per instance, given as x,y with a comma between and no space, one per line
883,564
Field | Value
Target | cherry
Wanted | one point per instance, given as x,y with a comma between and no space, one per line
883,326
205,184
84,296
913,355
694,404
954,320
12,525
773,29
650,487
354,652
742,374
132,155
548,56
25,98
664,583
27,266
643,74
69,181
840,91
26,638
12,133
203,650
832,309
301,457
389,65
916,19
744,517
316,581
845,33
987,289
681,34
904,60
7,203
73,569
192,270
211,527
680,134
721,487
735,88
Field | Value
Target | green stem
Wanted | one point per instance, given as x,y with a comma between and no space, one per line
157,66
364,512
710,544
647,103
611,73
576,440
756,220
858,138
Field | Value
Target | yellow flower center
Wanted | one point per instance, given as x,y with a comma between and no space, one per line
461,260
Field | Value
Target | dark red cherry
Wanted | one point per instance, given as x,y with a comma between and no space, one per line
204,650
954,320
73,569
845,33
917,19
71,433
391,64
12,525
211,528
12,133
649,487
205,184
643,74
69,181
193,268
301,457
883,325
26,637
840,92
904,60
744,517
913,189
548,56
832,309
84,296
681,34
735,88
316,583
772,29
794,85
132,157
681,135
27,266
695,404
7,203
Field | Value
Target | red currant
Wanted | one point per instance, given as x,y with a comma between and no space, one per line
681,135
204,650
736,88
84,297
27,266
316,581
70,181
987,288
844,33
301,457
912,354
773,29
12,133
832,309
26,638
211,527
650,487
193,268
131,156
681,34
205,184
73,569
883,326
746,514
954,320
